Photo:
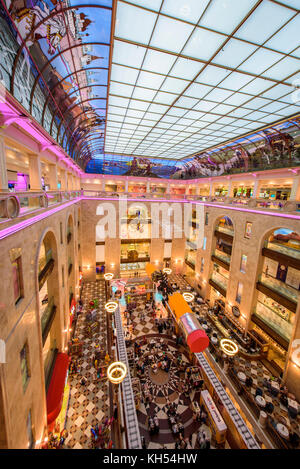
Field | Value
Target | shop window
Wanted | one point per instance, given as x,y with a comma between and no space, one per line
204,244
25,372
17,279
202,264
243,264
206,218
30,431
63,275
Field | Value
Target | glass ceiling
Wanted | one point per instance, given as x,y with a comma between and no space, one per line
187,75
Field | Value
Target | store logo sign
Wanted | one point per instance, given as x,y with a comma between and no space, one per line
2,351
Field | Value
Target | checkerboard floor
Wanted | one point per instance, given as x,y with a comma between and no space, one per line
160,393
89,403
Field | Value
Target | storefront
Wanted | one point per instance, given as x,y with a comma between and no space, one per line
221,191
131,268
177,190
137,188
276,192
114,187
242,191
135,251
157,189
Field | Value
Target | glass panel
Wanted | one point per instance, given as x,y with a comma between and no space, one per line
185,68
257,29
234,52
219,15
128,54
189,10
134,23
203,44
287,38
159,62
172,34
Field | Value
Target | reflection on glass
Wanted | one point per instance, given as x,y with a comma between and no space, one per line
279,287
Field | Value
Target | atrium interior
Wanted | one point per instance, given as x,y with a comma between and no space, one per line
149,224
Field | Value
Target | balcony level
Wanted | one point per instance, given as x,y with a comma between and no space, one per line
20,209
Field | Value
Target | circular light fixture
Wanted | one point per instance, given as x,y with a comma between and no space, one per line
108,276
229,347
167,271
188,296
111,306
116,372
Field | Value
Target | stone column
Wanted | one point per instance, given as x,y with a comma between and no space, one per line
53,176
230,191
210,188
168,188
255,189
63,180
295,192
35,173
126,186
3,170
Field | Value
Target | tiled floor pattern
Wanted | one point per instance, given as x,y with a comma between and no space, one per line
252,368
170,390
89,403
142,320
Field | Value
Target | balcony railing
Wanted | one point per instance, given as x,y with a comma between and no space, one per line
281,249
23,204
20,204
220,280
46,265
279,287
48,318
222,256
43,261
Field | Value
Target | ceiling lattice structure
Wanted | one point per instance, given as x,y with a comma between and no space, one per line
189,75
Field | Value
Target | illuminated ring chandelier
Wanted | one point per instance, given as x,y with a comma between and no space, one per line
116,372
188,296
167,271
108,276
111,306
229,347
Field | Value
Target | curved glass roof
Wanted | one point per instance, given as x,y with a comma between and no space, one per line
182,77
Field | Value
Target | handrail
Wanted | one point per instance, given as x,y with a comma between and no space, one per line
19,204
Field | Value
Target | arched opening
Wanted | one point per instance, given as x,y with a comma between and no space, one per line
277,295
221,260
70,267
49,302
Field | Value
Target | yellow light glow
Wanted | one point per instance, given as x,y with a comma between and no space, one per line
116,372
188,296
108,276
229,347
168,271
111,306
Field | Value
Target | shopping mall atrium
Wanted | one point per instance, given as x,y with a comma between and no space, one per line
149,224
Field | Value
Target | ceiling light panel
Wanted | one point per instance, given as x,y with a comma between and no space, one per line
187,75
